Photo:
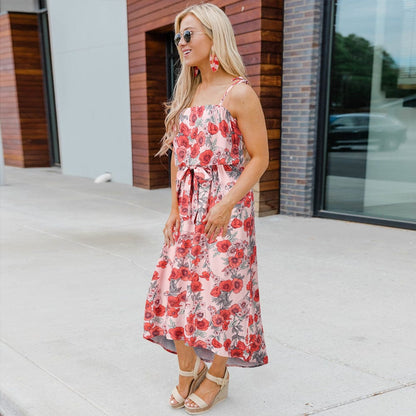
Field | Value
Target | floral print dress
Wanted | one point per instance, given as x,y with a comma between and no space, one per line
206,292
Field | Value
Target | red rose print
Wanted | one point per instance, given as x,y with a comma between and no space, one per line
173,312
160,310
181,153
256,296
162,264
248,225
184,273
237,285
196,250
205,275
205,157
239,253
247,200
235,139
148,315
183,141
192,118
226,314
225,325
184,129
215,343
241,345
223,246
250,320
196,286
173,301
236,353
224,128
217,320
199,229
236,223
176,333
182,296
194,133
212,128
235,309
181,251
155,275
201,138
227,344
148,306
187,243
194,151
174,274
190,318
226,285
148,326
234,262
234,152
202,325
215,292
189,329
157,331
200,110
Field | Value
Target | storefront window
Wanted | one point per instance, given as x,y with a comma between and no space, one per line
371,124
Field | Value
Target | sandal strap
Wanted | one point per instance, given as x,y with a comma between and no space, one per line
220,381
177,396
197,400
193,373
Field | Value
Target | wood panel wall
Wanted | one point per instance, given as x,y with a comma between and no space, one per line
258,28
22,105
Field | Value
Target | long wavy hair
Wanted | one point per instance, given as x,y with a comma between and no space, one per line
217,27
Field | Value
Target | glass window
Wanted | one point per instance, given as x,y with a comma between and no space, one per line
371,125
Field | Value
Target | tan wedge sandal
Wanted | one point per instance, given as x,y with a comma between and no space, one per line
197,380
221,395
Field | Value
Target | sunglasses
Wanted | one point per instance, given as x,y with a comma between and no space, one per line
186,36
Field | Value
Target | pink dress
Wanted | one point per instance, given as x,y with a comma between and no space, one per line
206,293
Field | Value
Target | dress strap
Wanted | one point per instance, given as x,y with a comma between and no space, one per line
235,81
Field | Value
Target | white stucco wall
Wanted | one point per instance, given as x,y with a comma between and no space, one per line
91,77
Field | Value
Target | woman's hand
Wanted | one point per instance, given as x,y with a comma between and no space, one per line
217,220
171,227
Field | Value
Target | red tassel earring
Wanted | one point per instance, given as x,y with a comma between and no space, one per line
196,71
214,62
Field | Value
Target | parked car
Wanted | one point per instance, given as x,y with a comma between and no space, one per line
348,130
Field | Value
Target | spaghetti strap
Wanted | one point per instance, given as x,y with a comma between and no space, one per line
235,81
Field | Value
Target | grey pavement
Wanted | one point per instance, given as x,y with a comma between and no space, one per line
338,302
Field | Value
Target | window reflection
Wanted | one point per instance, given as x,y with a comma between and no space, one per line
371,140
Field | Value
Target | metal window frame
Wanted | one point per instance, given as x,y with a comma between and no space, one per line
329,7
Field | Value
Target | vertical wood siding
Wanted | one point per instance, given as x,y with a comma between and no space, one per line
22,109
258,28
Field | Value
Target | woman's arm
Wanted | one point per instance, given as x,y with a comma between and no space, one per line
245,106
172,224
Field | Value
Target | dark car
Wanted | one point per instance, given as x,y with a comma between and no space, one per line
348,130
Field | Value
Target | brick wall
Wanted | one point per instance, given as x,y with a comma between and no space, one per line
257,25
301,66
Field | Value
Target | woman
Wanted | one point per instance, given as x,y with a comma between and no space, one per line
203,301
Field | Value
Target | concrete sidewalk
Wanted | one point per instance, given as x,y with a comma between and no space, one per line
338,303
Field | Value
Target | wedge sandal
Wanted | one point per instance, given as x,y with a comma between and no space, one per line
197,380
221,395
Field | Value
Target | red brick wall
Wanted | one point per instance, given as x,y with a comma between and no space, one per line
258,29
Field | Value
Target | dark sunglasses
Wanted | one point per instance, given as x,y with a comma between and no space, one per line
186,36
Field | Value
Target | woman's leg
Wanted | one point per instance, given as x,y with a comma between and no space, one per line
186,359
208,389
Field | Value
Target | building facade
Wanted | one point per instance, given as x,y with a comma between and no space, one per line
336,78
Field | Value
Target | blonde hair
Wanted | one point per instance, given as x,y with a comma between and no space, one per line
217,27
